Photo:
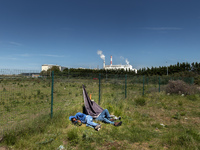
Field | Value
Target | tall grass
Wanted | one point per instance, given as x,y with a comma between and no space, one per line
153,121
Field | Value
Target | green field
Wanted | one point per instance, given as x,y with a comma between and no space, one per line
153,121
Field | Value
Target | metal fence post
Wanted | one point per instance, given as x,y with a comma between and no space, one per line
99,88
143,86
159,83
192,82
125,85
52,85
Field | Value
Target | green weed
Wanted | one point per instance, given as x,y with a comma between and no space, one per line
10,138
176,116
140,101
196,113
28,109
182,139
38,92
192,97
180,103
73,136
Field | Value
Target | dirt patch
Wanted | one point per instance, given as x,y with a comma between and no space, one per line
112,144
116,145
3,148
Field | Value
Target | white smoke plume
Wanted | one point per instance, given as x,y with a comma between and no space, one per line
101,54
127,61
121,57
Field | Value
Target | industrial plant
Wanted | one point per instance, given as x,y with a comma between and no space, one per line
118,67
126,67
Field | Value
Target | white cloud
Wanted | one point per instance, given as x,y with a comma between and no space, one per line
49,55
8,58
15,43
25,55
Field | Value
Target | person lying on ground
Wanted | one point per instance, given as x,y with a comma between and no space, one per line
86,119
104,116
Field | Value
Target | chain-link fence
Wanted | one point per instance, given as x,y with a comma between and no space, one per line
25,95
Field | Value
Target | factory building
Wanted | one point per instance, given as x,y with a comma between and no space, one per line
116,67
45,67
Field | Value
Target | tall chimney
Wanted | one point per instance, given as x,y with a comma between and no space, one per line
104,64
111,60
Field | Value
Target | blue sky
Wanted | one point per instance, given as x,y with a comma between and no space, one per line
70,32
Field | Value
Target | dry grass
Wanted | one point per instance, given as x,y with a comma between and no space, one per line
164,122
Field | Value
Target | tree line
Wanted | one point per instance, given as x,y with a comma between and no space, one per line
179,69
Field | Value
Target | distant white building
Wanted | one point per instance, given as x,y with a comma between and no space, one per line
45,67
118,67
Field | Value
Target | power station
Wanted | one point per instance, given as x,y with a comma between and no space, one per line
118,67
126,67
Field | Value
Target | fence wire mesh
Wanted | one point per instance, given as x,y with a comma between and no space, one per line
25,95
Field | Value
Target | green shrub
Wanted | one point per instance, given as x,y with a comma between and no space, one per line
140,101
10,138
18,94
7,108
192,97
196,114
182,113
4,89
176,116
180,87
72,136
41,96
180,103
164,105
2,103
88,136
38,92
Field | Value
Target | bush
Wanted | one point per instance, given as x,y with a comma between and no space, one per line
140,101
180,87
4,89
38,92
72,136
10,138
192,97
